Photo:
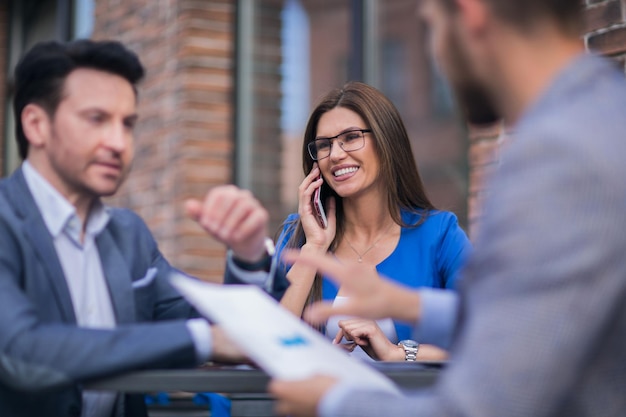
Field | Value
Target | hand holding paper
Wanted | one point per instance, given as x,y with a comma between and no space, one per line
278,342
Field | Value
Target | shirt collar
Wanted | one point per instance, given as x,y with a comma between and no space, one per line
58,213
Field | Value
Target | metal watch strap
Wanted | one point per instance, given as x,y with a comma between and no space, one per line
411,348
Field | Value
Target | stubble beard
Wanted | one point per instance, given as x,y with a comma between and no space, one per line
472,97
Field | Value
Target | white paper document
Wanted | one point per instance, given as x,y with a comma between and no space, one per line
273,337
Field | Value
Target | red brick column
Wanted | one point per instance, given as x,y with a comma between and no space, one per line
605,31
184,138
207,113
483,157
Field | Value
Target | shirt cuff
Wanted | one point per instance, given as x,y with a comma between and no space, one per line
201,334
330,404
439,309
261,279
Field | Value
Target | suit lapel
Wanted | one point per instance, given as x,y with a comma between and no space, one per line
37,233
117,275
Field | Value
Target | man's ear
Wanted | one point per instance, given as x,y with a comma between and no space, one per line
474,14
36,125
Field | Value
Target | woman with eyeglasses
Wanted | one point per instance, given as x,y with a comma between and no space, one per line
357,152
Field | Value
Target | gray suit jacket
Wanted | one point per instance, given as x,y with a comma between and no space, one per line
44,356
542,330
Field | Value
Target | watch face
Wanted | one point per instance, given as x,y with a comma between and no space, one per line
410,343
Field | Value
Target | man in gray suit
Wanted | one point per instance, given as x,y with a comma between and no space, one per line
84,290
539,328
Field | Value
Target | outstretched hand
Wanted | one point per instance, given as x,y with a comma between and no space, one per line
300,398
368,295
234,217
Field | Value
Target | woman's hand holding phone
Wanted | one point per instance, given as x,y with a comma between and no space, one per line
318,220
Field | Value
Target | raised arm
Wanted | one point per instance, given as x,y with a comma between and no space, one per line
316,240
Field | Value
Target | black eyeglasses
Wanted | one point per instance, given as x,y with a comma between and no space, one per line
349,141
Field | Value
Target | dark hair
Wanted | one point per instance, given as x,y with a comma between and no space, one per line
398,169
40,75
567,14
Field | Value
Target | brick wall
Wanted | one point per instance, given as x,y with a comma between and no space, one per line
483,157
3,72
184,138
605,32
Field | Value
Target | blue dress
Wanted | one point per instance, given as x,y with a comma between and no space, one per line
430,255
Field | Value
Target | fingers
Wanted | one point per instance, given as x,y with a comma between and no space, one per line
243,224
234,217
357,330
321,311
305,191
314,173
358,325
210,212
193,208
326,264
348,347
348,337
284,408
216,205
306,186
316,234
338,337
288,394
280,389
300,398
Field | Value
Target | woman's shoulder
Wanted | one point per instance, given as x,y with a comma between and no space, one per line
430,219
286,231
435,226
290,222
441,229
291,217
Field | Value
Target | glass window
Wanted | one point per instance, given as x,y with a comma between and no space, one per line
30,21
316,59
84,15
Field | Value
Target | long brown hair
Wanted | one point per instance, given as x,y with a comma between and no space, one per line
398,169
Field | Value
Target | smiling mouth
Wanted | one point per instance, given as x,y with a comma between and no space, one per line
345,171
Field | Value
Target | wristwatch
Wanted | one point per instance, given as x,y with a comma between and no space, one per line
410,349
265,264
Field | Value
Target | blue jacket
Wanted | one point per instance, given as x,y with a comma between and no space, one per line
44,355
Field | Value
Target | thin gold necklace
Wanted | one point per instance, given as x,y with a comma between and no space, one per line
361,255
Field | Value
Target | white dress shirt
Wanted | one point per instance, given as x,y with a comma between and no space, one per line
81,266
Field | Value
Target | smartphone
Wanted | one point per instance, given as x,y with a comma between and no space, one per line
318,208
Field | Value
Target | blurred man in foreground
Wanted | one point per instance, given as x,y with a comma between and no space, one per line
540,327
